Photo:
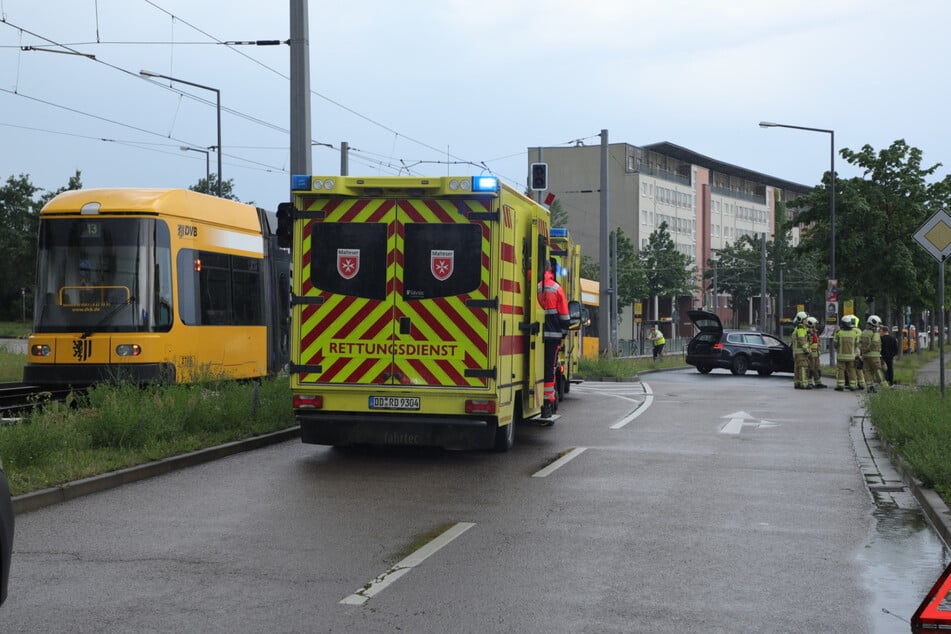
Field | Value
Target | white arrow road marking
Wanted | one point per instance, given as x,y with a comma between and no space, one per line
739,419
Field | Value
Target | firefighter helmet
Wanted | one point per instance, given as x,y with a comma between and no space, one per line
874,321
801,316
812,322
846,322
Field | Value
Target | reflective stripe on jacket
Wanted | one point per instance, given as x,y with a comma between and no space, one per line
552,299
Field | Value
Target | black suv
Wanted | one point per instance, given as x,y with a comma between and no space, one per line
735,350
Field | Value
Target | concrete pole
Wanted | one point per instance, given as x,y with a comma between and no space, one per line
300,90
604,330
344,158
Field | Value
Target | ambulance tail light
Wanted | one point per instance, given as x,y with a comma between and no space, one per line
308,401
40,350
475,406
128,350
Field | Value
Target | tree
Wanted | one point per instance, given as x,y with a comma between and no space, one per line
211,185
631,277
19,225
668,271
559,216
877,261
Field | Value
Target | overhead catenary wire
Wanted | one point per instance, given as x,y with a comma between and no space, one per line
387,163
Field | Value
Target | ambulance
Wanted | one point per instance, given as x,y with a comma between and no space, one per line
415,319
567,256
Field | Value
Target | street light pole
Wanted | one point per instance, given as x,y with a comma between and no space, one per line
831,133
185,148
148,73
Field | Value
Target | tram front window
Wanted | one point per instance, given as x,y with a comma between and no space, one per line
103,274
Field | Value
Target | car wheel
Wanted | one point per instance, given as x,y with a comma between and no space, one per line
704,369
765,372
740,365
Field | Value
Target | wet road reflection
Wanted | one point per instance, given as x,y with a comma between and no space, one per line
903,558
904,555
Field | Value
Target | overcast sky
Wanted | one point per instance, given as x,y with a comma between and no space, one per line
421,84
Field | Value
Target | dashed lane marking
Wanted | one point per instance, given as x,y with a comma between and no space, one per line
379,584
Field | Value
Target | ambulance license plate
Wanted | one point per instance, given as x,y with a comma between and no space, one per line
394,402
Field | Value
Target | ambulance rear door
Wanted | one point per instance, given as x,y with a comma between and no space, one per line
395,291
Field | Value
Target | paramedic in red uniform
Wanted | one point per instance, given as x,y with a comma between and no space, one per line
552,299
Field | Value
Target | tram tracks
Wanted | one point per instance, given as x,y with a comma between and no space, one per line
17,399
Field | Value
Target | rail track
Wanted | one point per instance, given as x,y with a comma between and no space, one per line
19,398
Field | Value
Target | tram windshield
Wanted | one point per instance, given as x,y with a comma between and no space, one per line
103,275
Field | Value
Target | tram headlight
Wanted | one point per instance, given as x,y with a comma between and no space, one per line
40,350
128,350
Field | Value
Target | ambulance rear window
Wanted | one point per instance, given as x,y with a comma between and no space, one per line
441,260
349,258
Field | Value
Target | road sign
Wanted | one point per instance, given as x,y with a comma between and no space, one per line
935,235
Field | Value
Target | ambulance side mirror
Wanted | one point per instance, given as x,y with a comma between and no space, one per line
574,315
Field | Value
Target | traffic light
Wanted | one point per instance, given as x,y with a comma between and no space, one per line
539,176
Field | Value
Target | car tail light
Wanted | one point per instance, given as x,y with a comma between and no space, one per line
718,346
308,401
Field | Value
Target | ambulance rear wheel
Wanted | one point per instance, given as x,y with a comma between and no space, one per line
504,437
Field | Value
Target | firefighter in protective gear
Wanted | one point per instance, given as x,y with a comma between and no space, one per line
871,344
552,299
846,342
802,359
815,363
856,326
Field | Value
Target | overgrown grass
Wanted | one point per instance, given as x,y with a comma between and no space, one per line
916,423
117,426
15,329
11,366
624,367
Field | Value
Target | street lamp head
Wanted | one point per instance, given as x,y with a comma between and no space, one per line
767,124
184,148
148,73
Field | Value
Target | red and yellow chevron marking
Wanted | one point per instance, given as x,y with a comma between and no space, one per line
358,341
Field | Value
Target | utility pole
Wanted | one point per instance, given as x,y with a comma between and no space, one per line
344,158
762,286
300,90
604,331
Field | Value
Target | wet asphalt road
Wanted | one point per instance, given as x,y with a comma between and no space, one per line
687,503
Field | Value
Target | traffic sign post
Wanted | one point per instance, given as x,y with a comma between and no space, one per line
935,237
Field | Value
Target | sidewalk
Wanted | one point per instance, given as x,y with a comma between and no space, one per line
930,373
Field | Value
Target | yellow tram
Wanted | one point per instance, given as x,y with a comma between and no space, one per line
156,285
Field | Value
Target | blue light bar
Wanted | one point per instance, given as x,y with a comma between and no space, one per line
300,182
559,232
485,184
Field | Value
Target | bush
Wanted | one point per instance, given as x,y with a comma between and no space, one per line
38,438
915,423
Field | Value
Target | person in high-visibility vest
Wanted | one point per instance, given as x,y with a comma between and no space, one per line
846,343
552,299
802,358
658,338
815,363
871,343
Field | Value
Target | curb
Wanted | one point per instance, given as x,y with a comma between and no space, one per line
931,503
78,488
